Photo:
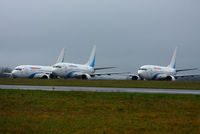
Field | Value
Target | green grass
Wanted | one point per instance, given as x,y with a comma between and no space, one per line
103,83
23,111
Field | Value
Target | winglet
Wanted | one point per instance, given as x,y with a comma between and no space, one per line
61,56
91,61
173,60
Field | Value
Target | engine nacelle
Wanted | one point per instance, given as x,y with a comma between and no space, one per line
135,77
83,76
166,77
170,78
41,76
161,77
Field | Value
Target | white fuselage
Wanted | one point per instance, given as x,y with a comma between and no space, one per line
31,71
70,70
152,72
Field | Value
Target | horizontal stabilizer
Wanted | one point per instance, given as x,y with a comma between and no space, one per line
181,70
101,68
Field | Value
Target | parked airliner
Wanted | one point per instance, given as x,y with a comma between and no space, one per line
79,71
154,72
35,71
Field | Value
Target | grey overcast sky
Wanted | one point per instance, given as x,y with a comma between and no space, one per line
128,33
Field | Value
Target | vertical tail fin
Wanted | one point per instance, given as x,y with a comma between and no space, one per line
91,61
61,56
173,60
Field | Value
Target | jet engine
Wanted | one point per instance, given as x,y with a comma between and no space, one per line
83,76
135,77
42,76
170,78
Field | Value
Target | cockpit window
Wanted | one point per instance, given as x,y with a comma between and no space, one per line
19,69
57,67
143,69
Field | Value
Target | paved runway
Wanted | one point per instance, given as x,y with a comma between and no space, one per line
101,89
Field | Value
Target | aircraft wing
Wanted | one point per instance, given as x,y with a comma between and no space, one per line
131,74
188,69
186,75
7,73
100,68
109,73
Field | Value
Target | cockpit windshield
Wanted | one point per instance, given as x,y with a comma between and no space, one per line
57,67
143,69
19,69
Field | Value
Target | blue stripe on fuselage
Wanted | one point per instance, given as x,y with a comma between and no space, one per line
32,75
69,75
155,76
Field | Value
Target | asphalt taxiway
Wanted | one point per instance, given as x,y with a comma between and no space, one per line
102,89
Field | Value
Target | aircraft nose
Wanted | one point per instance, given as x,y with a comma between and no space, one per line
14,73
140,73
55,71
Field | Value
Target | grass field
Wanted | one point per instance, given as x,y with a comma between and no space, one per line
103,83
23,111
